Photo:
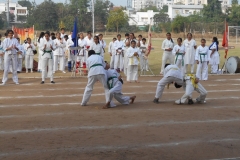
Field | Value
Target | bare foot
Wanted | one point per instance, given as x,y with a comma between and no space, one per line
137,81
132,99
106,106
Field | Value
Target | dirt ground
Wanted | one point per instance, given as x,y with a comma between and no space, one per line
47,122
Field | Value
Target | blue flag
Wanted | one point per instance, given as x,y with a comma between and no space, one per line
74,34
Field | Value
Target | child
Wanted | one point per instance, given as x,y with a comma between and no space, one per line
126,46
1,54
190,84
40,40
68,53
133,54
82,52
29,47
143,57
111,51
202,59
179,52
119,46
59,55
214,55
115,83
96,46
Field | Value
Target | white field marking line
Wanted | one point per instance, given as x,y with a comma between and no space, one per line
220,80
71,104
100,94
84,149
234,158
123,126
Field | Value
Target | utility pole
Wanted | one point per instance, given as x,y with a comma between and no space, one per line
93,18
7,12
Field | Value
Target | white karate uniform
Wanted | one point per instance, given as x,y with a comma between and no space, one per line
70,55
171,74
125,58
59,55
190,54
143,60
47,59
95,73
118,61
214,59
203,57
40,52
29,56
82,52
1,56
88,44
115,89
178,52
167,55
62,36
10,56
189,87
97,48
133,61
112,50
103,43
20,57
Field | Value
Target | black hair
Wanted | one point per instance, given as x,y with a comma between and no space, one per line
18,38
215,39
140,35
5,34
47,32
189,34
133,42
144,39
89,32
91,52
170,35
132,34
40,36
100,34
66,37
179,39
62,29
53,37
119,35
177,85
114,38
203,40
106,62
8,31
28,38
97,38
166,65
127,34
52,34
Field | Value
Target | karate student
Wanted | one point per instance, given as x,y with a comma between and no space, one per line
47,46
62,33
191,83
172,74
214,55
167,47
29,47
115,83
1,54
126,46
40,52
143,57
179,52
202,59
82,52
96,46
96,72
139,41
89,40
119,57
112,52
20,56
59,55
68,53
133,54
10,47
190,48
70,35
103,43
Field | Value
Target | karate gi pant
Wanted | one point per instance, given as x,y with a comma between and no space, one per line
125,63
166,57
19,64
40,60
116,92
29,61
202,71
118,62
81,59
10,58
163,82
143,63
89,88
180,66
61,60
112,61
47,61
132,73
189,90
214,68
1,63
192,68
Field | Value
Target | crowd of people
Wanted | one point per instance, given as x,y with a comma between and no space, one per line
127,55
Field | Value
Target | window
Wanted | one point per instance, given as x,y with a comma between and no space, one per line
21,11
12,8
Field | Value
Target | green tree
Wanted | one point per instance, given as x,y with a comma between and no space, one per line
178,23
117,19
2,23
164,9
212,12
234,2
154,8
234,16
25,3
161,18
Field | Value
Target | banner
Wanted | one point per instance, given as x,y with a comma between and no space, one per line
24,33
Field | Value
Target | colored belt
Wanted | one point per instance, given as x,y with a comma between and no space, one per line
110,85
180,54
192,79
95,65
50,52
98,54
202,54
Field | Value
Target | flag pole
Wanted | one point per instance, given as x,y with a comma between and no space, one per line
93,17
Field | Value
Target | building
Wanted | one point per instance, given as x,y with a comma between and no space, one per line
140,19
190,2
140,4
183,10
14,8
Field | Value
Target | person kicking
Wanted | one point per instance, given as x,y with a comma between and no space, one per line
172,74
191,83
115,83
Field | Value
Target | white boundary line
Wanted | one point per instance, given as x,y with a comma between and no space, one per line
84,149
235,158
123,126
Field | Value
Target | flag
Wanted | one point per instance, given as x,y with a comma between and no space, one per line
225,40
149,39
74,34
